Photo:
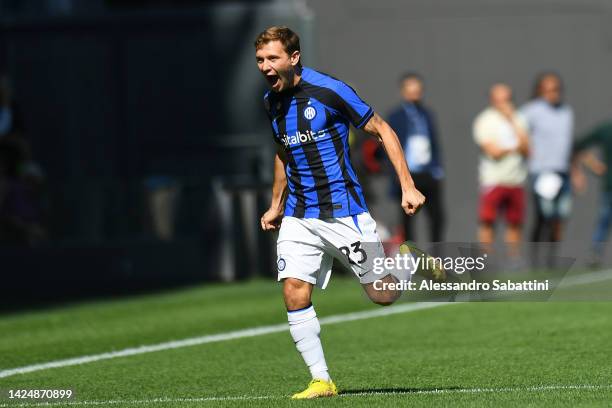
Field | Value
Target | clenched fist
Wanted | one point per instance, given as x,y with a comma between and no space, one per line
412,200
271,219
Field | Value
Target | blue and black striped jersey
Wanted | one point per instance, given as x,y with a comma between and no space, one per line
311,121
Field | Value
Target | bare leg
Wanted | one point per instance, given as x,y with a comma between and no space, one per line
486,235
513,239
557,230
382,297
297,293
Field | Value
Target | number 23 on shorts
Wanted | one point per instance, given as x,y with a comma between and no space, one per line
356,248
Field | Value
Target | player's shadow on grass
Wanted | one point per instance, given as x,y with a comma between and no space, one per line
397,390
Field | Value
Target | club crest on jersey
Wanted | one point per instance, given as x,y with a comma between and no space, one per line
310,112
281,264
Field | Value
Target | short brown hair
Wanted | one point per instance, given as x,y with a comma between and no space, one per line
289,39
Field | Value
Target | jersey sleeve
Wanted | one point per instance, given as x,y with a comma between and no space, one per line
351,106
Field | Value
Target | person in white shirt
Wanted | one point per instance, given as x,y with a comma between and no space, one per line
501,133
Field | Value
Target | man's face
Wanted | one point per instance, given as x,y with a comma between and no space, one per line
276,65
412,90
550,89
501,95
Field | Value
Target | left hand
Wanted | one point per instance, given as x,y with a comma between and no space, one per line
412,200
579,181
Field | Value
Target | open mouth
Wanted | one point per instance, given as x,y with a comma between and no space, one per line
273,80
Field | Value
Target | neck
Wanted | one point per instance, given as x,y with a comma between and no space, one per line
553,104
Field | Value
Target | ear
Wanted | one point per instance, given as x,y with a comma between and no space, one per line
295,58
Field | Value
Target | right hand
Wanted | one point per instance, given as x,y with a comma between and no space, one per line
599,168
412,200
271,220
506,109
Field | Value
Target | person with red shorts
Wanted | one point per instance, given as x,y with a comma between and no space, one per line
500,132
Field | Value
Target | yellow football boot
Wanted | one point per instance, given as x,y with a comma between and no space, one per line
429,269
316,389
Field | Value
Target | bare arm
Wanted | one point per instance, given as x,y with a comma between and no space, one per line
271,219
590,161
412,199
491,149
279,185
523,136
380,129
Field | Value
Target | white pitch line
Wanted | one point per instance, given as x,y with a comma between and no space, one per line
584,279
259,331
238,334
365,393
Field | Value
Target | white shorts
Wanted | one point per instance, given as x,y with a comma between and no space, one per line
306,248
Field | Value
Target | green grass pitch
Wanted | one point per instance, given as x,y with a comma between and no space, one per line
459,355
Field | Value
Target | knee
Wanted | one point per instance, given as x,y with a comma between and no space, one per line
385,298
296,293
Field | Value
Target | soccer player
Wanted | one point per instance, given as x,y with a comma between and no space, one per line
317,201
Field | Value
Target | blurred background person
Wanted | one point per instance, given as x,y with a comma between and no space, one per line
600,136
415,126
551,126
501,133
